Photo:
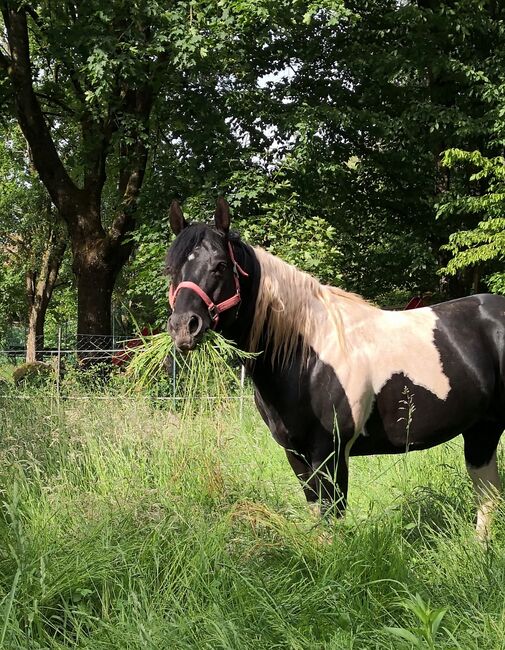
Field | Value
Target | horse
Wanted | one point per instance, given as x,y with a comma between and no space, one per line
336,376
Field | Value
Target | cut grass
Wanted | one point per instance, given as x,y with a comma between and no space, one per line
124,527
208,371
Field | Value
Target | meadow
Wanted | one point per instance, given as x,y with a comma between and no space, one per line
124,525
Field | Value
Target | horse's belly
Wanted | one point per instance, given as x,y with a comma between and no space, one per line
376,441
406,416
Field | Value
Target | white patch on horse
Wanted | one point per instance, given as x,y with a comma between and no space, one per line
407,346
486,484
378,345
191,256
364,345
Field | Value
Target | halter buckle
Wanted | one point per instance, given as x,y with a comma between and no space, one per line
213,312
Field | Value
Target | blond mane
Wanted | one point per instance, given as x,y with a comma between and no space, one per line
291,305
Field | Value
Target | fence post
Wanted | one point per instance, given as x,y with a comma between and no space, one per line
58,363
242,385
174,378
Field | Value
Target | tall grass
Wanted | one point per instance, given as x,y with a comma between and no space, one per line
125,526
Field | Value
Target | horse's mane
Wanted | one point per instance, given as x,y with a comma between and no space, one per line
290,306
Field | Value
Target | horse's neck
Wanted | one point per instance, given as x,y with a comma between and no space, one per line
239,330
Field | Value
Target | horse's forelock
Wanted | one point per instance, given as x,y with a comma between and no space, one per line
187,241
182,246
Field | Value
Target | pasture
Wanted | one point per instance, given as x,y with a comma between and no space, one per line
124,526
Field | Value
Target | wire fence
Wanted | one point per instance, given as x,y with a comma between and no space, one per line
113,351
106,348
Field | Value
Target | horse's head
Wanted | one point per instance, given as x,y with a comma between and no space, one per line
205,291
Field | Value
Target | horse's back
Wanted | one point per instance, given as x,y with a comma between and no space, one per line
482,317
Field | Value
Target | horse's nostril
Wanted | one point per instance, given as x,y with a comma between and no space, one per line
195,324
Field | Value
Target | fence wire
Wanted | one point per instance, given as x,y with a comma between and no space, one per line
97,348
116,351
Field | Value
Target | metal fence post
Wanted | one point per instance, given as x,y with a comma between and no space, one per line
242,385
58,363
174,378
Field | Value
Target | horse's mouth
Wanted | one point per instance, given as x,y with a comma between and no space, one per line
185,344
185,349
186,330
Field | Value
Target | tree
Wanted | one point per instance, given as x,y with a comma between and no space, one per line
32,241
66,80
40,285
97,85
368,107
480,250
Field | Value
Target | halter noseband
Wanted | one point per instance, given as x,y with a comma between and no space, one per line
214,310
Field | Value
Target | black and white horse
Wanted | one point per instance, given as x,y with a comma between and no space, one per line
338,377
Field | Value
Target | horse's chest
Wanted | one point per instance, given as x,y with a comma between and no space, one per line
303,405
273,420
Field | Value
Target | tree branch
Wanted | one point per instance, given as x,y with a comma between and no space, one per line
132,176
34,15
96,138
54,100
52,172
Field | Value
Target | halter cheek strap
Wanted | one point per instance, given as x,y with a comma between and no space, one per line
214,310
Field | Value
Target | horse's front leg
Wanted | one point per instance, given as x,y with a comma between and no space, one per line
325,487
330,469
324,482
307,478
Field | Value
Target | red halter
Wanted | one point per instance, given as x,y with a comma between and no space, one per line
214,310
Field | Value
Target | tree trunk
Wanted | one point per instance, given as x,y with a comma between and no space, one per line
40,286
476,273
94,324
96,267
35,333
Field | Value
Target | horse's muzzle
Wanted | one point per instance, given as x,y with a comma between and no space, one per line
186,330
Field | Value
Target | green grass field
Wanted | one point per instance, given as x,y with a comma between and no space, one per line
123,527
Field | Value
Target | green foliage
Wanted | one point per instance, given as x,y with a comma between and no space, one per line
412,80
26,222
15,193
272,214
428,619
11,297
141,294
484,200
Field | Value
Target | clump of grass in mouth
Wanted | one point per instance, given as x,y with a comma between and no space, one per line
208,367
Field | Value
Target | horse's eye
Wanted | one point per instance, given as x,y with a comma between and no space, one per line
220,268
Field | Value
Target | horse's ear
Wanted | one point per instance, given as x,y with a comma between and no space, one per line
177,220
222,215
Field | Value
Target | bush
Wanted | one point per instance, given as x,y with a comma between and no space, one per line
34,373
